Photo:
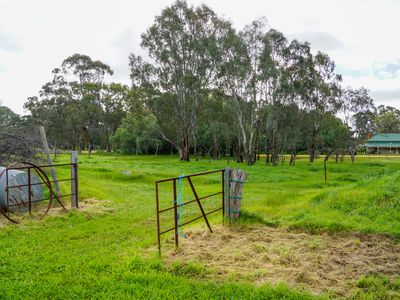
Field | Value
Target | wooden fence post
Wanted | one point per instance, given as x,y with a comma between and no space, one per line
50,161
238,177
74,180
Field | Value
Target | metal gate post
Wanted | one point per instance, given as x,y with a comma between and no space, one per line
158,220
223,194
7,192
227,176
29,191
175,215
74,180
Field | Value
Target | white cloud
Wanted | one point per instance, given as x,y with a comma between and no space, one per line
386,95
322,41
359,35
383,91
127,42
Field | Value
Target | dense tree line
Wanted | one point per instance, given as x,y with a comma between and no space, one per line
208,89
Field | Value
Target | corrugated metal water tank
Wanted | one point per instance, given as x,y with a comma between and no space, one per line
18,197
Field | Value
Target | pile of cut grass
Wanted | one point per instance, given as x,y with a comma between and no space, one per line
324,264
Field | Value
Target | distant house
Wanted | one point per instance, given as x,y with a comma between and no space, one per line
384,143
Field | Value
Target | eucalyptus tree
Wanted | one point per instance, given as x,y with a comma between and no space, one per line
217,128
253,38
232,73
317,88
81,70
137,134
387,119
7,117
182,45
86,79
70,106
359,111
239,78
334,137
326,96
293,130
277,92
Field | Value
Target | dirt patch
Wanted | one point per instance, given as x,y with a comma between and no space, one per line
318,263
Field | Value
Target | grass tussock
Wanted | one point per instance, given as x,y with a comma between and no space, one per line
252,218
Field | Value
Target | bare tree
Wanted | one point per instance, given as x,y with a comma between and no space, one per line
18,140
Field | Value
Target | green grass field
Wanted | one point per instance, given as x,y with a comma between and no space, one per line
108,250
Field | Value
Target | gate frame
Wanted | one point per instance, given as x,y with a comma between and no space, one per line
222,192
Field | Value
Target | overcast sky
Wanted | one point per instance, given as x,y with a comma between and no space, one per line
361,36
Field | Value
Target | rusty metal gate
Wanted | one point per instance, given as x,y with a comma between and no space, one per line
196,199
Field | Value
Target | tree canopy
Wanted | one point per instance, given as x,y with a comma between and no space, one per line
206,88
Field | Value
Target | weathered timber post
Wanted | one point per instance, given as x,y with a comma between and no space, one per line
74,180
237,179
233,189
48,155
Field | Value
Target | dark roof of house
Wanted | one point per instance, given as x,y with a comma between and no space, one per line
384,140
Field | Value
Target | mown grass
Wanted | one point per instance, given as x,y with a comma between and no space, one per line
111,253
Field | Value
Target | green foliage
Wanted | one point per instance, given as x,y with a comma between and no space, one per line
213,90
137,134
182,44
77,108
388,119
7,117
